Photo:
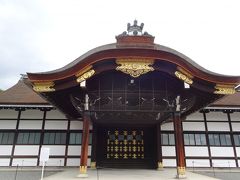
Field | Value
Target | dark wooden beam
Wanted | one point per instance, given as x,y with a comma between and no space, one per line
42,136
232,139
15,136
159,148
94,146
67,142
207,139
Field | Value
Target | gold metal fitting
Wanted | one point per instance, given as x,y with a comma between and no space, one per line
135,67
85,74
43,86
183,77
224,89
93,165
181,171
160,165
83,169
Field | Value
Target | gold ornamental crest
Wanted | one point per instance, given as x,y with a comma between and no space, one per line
135,67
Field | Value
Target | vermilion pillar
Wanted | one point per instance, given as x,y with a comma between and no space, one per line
84,147
179,144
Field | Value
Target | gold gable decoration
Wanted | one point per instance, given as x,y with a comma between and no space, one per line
84,74
135,67
183,77
43,86
224,89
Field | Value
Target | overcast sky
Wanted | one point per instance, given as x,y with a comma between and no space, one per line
43,35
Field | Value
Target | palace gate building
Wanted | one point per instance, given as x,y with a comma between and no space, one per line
132,104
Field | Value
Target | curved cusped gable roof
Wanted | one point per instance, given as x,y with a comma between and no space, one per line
133,48
134,53
113,51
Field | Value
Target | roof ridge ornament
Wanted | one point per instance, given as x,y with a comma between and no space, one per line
134,36
135,30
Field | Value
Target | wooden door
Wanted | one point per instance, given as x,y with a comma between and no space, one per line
126,147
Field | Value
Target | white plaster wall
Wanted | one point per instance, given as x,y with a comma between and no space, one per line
76,125
4,161
26,150
32,114
193,126
5,150
169,163
8,124
76,162
57,150
168,151
218,126
235,116
73,162
24,162
167,126
90,127
197,163
222,151
238,151
196,151
89,150
195,116
8,113
88,162
216,116
223,163
56,125
74,150
236,126
30,124
55,114
55,162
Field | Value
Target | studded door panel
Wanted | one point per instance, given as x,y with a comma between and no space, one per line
125,144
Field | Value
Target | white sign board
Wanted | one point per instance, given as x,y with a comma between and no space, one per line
44,155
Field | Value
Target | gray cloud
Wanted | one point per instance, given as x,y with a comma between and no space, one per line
20,24
43,35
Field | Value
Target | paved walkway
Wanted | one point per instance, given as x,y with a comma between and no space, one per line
117,174
30,173
51,173
23,174
221,173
